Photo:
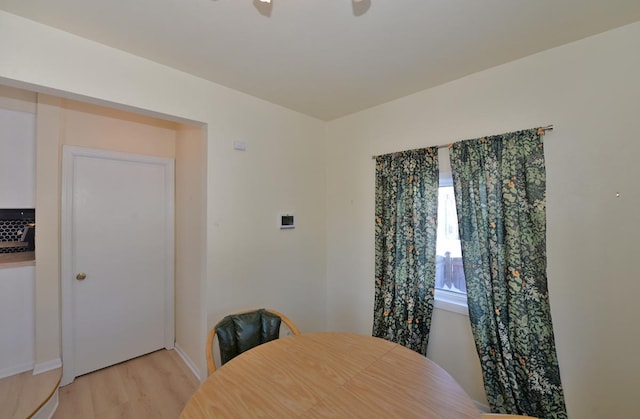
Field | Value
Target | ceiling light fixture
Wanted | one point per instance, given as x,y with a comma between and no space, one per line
359,6
269,1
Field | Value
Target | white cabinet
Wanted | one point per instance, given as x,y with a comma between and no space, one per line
17,159
17,319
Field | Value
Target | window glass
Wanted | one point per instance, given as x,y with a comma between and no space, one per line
449,272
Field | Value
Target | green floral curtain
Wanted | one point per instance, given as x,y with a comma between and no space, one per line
500,185
405,245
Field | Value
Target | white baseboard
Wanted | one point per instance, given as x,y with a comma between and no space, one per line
483,408
188,361
47,366
16,369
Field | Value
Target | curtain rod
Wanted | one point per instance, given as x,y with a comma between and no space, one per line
545,129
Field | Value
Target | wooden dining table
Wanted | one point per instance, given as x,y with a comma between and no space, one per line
340,375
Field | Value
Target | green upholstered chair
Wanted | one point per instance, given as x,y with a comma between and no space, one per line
239,332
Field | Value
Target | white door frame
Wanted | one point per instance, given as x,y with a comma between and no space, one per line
66,253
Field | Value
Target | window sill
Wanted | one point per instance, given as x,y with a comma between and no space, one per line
451,301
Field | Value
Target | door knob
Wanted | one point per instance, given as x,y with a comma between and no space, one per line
81,276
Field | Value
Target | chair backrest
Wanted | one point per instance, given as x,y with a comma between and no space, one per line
239,332
504,416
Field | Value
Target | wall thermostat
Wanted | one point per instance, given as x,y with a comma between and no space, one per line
287,221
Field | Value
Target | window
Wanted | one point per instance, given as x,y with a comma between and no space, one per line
451,289
449,273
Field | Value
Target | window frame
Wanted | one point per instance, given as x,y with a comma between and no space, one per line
442,299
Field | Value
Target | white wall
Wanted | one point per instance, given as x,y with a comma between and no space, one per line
17,148
17,99
17,190
590,91
16,320
47,307
190,239
282,170
249,261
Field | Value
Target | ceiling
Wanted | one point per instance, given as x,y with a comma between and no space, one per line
330,58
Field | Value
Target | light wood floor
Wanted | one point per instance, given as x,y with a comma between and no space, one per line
157,385
22,394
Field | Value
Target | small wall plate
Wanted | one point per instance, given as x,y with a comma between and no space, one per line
287,221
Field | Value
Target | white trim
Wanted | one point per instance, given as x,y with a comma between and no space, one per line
169,250
41,367
48,409
66,251
16,369
192,366
451,301
65,268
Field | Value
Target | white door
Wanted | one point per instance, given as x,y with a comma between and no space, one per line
117,273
